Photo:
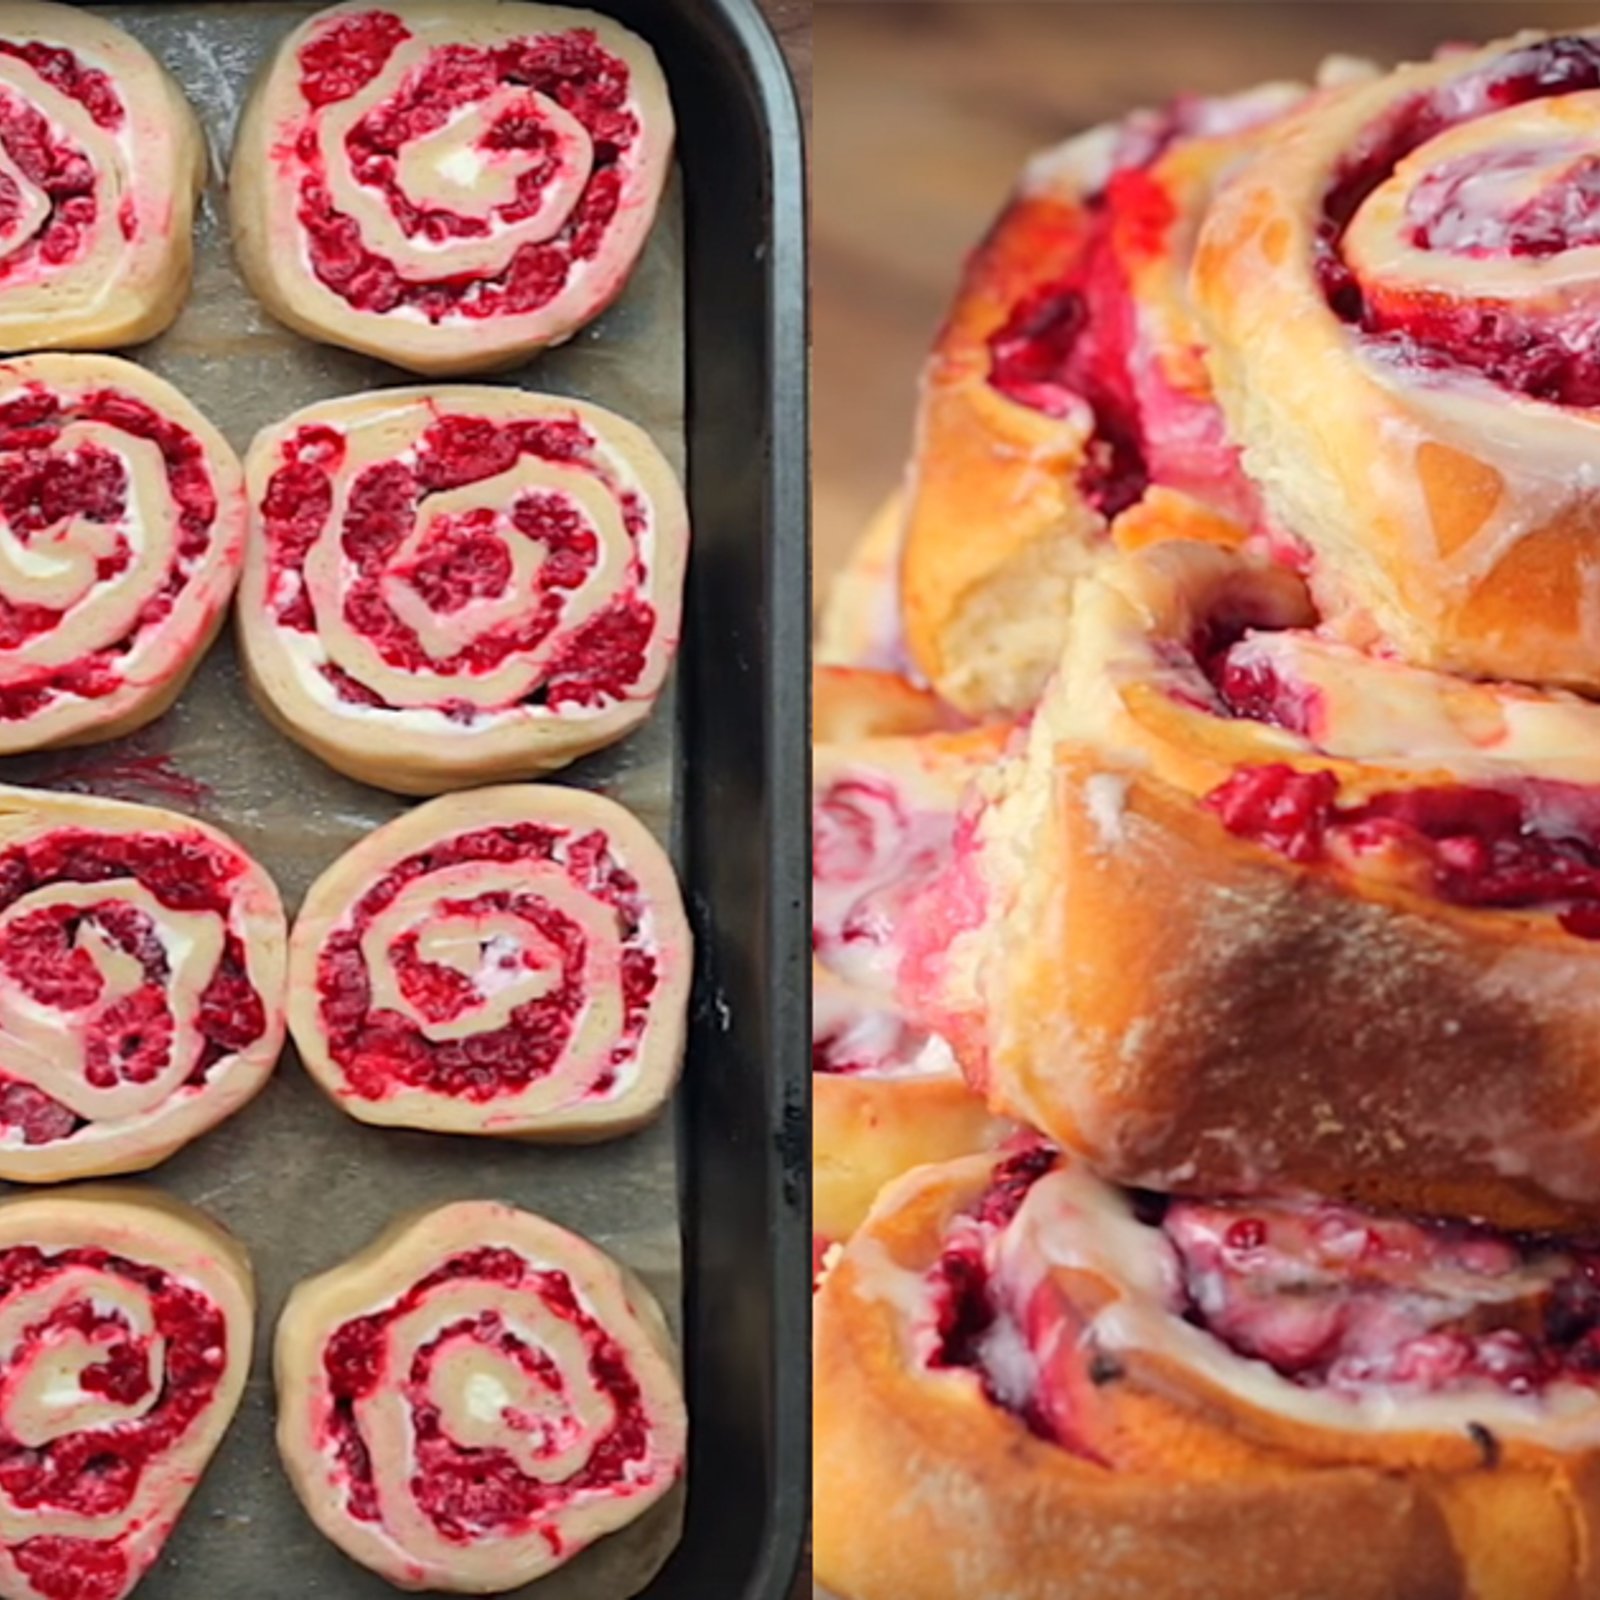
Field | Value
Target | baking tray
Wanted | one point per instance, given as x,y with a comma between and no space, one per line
706,349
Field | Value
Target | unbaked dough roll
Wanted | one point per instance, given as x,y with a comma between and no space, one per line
1401,294
101,161
449,187
122,526
475,1398
508,961
125,1335
142,963
459,585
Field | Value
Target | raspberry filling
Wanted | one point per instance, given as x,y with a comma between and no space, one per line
569,69
40,952
871,853
61,172
95,1472
469,1492
382,1050
1534,847
43,488
1487,337
1337,1298
463,557
1069,344
971,1331
1333,1298
1244,684
877,1042
64,72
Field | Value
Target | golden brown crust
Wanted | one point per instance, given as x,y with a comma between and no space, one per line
1246,1025
849,703
966,1501
1446,515
994,524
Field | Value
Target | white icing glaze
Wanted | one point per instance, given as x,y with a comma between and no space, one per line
1071,1220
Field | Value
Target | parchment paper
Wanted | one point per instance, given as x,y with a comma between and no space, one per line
302,1184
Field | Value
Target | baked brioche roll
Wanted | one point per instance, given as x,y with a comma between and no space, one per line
1257,911
885,1094
854,703
859,625
125,1336
449,187
1028,1373
141,983
101,166
459,585
124,526
1399,294
510,961
475,1398
1065,383
884,813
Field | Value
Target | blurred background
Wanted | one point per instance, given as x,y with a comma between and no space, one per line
925,109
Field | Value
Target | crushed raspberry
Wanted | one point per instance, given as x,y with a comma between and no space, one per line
96,1471
569,68
468,1492
37,1117
1433,332
1245,685
60,171
1285,810
1336,1297
381,1050
1011,1183
64,1568
344,56
1533,847
461,560
966,1310
63,71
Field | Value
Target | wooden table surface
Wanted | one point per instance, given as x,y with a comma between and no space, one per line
925,111
791,21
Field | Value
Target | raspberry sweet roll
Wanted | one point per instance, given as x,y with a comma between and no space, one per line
886,1094
1026,1373
101,162
475,1398
1256,910
449,187
510,961
1401,296
459,585
1066,386
122,531
142,961
125,1334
